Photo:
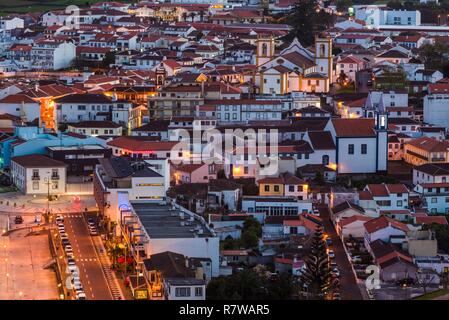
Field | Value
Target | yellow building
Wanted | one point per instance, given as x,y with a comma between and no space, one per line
285,185
271,187
426,150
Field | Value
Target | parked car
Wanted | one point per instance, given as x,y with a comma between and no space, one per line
331,254
328,241
68,249
81,296
59,219
336,272
18,220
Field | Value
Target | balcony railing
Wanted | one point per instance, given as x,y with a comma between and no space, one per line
55,177
35,178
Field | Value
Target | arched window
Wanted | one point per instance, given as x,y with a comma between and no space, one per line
264,49
322,50
325,160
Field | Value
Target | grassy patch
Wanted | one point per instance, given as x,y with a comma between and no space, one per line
433,295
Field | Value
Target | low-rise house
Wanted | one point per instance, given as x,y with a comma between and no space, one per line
37,174
228,225
431,173
434,196
346,210
284,185
426,150
172,276
194,173
261,207
389,196
352,226
394,263
96,128
385,229
224,193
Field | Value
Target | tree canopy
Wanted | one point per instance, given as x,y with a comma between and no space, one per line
307,20
250,285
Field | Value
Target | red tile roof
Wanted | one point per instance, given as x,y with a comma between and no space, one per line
438,88
135,144
382,223
354,127
430,220
344,222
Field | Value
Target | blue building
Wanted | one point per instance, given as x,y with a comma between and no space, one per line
33,140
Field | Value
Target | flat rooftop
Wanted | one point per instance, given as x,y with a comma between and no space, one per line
77,147
161,222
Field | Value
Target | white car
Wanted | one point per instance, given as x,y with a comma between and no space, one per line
331,254
81,296
68,249
316,212
336,272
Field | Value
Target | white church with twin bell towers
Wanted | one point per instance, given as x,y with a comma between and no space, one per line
295,68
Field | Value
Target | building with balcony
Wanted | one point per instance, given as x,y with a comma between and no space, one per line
426,150
435,196
36,174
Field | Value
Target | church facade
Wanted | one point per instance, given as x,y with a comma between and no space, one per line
295,68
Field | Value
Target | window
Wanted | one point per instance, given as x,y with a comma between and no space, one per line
35,185
276,188
364,148
399,203
350,149
198,292
35,173
267,188
291,188
182,292
245,170
325,160
300,188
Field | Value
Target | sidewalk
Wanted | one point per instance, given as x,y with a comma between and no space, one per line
25,204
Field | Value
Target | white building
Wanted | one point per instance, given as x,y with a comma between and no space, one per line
21,106
246,110
86,107
361,144
263,206
52,55
38,175
431,173
375,16
11,23
435,103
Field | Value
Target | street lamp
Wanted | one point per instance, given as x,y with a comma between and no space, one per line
48,182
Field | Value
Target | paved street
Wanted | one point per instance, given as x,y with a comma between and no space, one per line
349,288
17,203
22,273
87,259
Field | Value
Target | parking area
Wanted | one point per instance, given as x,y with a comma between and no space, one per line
24,275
